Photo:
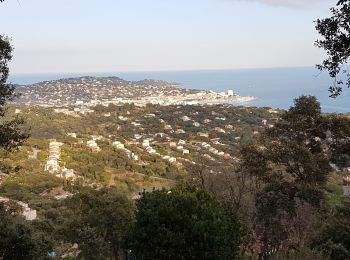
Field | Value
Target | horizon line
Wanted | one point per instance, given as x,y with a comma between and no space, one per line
152,71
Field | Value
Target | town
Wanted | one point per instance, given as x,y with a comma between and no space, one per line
92,91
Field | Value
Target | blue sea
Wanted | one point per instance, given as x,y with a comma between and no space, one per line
274,88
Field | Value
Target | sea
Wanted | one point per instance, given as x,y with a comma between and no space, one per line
273,87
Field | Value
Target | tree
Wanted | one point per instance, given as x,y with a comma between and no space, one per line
334,240
19,239
10,133
335,32
99,222
292,163
183,223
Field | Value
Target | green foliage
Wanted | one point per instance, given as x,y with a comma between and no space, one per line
335,33
291,166
11,134
24,186
183,223
19,239
334,240
98,223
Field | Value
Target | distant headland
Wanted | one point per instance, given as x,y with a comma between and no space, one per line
91,91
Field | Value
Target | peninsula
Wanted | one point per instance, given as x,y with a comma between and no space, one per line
92,91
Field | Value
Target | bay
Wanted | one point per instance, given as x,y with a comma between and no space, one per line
275,87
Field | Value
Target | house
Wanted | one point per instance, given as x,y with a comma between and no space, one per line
150,115
182,142
207,156
135,124
52,165
196,124
185,151
67,174
206,121
63,195
219,130
93,146
230,93
54,149
161,135
28,213
150,150
122,118
185,118
145,143
180,147
180,131
97,137
172,160
201,134
172,144
74,135
137,136
135,157
118,145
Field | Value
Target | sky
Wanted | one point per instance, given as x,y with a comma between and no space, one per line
69,36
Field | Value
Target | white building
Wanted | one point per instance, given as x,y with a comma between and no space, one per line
93,145
172,160
185,118
27,213
52,166
52,163
180,148
118,145
74,135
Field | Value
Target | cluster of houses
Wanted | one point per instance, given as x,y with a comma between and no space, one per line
53,162
180,146
146,145
215,151
130,154
85,92
144,139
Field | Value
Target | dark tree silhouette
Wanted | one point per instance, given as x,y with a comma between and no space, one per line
184,223
292,161
10,133
335,32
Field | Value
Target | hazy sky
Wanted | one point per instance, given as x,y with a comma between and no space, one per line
145,35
